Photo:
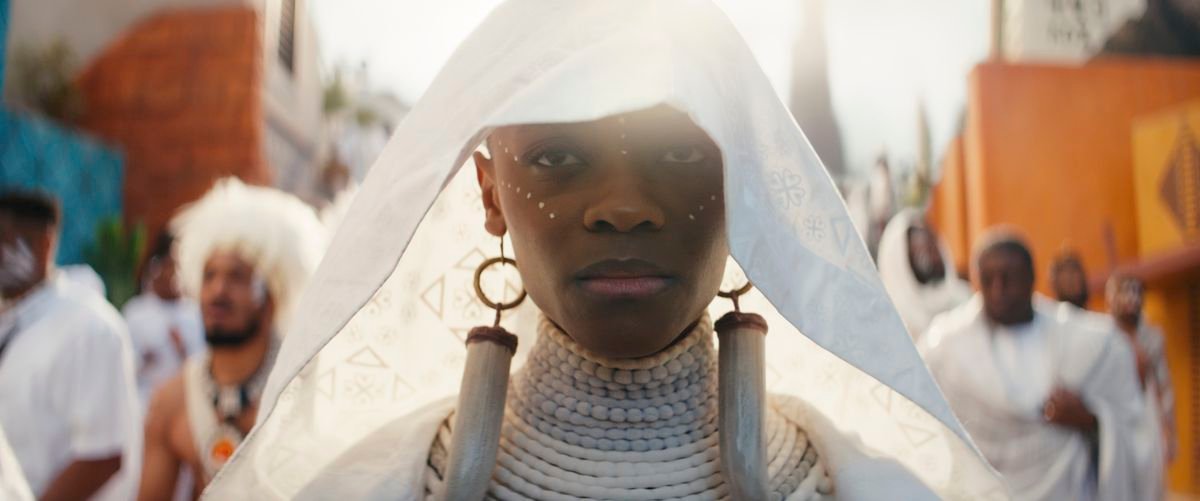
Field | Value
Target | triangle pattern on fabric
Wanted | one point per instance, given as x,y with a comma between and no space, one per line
366,357
916,436
400,388
471,260
326,385
434,296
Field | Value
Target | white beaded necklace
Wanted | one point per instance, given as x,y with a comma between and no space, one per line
578,425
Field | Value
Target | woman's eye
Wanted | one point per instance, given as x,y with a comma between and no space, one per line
683,155
557,159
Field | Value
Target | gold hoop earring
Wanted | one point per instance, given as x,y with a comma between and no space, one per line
498,306
481,397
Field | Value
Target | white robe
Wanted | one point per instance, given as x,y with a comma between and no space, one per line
378,333
67,389
917,303
1153,432
151,321
13,486
998,402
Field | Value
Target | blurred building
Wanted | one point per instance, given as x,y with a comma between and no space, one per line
811,102
1098,153
190,90
1058,31
361,120
85,174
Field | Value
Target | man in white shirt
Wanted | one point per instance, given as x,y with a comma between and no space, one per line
165,327
67,396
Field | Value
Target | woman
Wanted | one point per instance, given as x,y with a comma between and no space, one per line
631,147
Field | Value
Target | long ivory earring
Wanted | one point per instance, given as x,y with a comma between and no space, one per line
741,380
475,438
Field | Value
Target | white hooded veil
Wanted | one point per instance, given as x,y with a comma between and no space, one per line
917,303
379,332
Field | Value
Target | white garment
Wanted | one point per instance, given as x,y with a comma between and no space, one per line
153,323
1153,435
86,276
13,486
994,379
378,333
917,303
1022,355
67,389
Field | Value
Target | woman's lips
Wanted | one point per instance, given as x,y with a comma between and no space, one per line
625,287
624,278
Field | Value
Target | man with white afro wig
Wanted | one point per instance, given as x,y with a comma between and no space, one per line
245,253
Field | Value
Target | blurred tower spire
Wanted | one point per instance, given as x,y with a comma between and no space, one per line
811,102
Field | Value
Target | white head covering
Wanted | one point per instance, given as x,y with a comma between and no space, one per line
917,303
275,231
379,332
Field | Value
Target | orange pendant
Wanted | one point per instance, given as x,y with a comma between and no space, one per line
222,450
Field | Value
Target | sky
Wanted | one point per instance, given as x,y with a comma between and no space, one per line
885,56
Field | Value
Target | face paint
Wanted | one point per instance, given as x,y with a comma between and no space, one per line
17,264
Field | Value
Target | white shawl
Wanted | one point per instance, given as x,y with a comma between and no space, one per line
379,331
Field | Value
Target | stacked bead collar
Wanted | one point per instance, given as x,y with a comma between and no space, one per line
578,425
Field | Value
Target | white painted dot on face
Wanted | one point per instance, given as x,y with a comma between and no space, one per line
541,205
701,207
624,152
514,158
692,217
714,197
529,195
551,215
518,189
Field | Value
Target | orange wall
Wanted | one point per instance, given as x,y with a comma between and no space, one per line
1048,149
947,207
180,93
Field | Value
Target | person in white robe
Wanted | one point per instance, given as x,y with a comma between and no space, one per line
1155,440
13,486
622,150
913,265
85,276
1051,401
68,400
165,326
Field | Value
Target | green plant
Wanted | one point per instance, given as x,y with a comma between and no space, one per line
115,255
43,81
335,98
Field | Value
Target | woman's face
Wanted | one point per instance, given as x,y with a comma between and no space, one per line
618,224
